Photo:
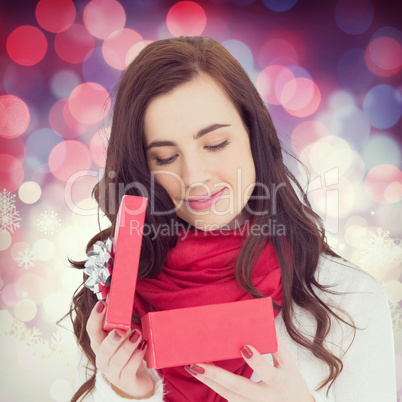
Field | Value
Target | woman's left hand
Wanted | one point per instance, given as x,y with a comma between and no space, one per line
282,382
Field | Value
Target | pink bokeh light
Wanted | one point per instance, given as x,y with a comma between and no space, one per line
11,172
55,16
383,184
97,147
271,81
9,295
75,44
116,46
26,45
306,133
89,103
14,147
186,18
278,51
134,50
301,97
33,286
61,120
104,17
67,158
384,56
14,116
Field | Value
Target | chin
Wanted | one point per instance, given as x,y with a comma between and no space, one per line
209,223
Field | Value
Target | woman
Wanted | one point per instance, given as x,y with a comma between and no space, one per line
191,132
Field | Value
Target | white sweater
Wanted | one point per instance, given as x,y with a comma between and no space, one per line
369,369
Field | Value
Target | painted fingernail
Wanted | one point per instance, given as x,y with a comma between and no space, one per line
99,307
194,369
142,345
116,336
134,337
188,368
247,352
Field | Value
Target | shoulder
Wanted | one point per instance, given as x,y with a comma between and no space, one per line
342,276
350,289
354,298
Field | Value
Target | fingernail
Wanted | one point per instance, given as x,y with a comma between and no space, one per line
99,307
142,345
194,369
134,336
188,368
116,336
247,352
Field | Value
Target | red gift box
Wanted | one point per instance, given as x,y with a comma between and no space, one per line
208,333
128,239
188,335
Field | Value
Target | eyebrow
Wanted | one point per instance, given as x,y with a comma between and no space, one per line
199,134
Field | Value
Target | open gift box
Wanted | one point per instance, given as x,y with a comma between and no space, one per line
188,335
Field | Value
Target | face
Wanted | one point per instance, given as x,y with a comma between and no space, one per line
198,149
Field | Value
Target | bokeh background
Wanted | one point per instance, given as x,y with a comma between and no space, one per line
329,71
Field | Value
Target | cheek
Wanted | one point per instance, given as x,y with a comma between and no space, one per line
170,181
241,166
248,174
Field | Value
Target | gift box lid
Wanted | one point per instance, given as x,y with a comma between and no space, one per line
128,239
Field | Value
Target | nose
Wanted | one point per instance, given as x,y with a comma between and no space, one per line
196,172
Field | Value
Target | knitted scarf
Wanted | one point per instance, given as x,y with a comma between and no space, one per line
199,270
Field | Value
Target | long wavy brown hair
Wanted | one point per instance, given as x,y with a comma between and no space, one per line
158,69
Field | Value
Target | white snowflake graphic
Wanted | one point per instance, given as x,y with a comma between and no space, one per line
26,259
57,342
49,222
334,243
17,329
396,314
9,216
7,200
379,249
32,337
42,347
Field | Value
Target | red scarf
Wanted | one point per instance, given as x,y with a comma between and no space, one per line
200,271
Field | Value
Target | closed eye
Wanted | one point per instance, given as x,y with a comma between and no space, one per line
209,147
165,161
219,146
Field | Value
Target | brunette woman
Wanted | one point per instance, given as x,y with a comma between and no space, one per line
191,133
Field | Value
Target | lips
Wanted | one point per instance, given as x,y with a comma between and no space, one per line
203,202
201,197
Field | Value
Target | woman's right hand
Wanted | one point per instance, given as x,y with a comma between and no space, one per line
119,357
